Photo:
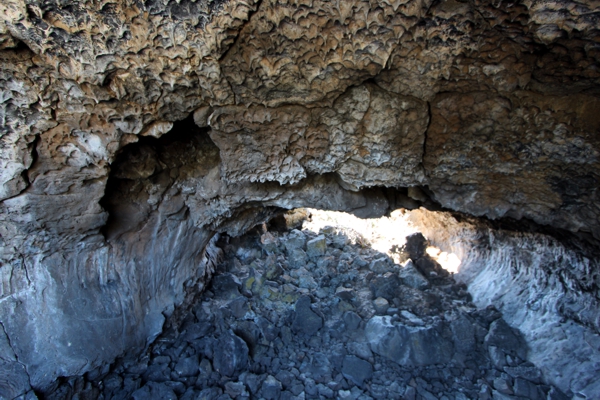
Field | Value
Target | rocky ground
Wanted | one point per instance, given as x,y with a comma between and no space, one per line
319,312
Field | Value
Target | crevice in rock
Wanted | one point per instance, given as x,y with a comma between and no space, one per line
239,32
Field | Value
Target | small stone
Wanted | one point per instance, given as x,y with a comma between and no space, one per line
153,390
410,393
297,258
380,266
360,349
385,286
305,319
269,242
316,247
556,394
381,305
235,389
352,320
357,370
532,374
324,391
295,240
271,388
502,385
525,389
410,276
187,366
344,293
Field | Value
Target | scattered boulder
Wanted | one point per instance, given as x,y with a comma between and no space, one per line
506,338
408,345
306,320
230,354
410,276
356,370
271,388
316,247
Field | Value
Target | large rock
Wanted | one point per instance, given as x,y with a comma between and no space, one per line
230,354
408,345
305,319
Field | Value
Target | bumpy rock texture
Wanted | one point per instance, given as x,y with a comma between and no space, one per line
482,107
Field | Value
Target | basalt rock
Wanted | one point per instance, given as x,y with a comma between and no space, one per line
132,131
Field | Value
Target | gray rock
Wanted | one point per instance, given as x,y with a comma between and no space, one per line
230,354
503,385
497,357
410,393
305,319
381,305
506,338
529,373
360,349
152,391
380,265
410,276
555,394
14,380
385,286
316,247
295,240
297,258
526,389
271,388
407,345
352,320
463,334
357,370
189,366
209,393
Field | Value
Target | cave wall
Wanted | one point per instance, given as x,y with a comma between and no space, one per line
547,288
489,108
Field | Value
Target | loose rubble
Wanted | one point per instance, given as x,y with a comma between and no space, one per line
300,314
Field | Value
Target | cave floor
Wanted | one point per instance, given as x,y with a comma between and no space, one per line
319,313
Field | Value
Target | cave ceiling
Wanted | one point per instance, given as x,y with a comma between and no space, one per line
130,125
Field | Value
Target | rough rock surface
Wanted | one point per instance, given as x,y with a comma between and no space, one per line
108,200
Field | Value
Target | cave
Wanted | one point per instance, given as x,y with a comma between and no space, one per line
178,180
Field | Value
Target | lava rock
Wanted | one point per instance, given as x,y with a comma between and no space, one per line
385,286
305,319
352,320
356,370
506,338
316,247
415,245
153,390
271,388
295,240
463,334
410,276
189,366
230,354
407,345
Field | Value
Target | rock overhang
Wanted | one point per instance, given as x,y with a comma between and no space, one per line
490,109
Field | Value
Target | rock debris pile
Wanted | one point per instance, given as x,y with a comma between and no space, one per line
299,314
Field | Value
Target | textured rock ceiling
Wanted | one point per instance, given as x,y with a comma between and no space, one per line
489,108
